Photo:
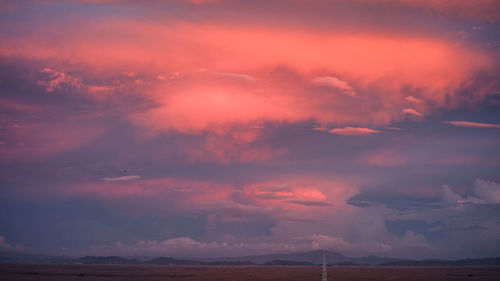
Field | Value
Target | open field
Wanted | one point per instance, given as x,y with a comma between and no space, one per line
13,272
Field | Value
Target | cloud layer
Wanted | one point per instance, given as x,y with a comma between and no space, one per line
230,127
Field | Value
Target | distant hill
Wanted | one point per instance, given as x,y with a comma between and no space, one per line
288,263
433,262
172,261
293,259
313,257
346,263
154,261
372,260
106,260
230,263
9,257
300,258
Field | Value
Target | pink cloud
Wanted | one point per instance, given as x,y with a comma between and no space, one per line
9,104
384,158
229,145
290,199
237,76
485,10
482,10
469,124
35,140
202,92
121,179
58,80
300,197
199,2
353,131
413,112
462,159
130,186
335,83
6,246
479,10
413,99
207,106
396,60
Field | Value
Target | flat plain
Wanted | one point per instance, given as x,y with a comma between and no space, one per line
23,272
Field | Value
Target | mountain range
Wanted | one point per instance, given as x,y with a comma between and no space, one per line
289,259
313,257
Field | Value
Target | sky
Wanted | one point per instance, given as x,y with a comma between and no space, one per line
213,128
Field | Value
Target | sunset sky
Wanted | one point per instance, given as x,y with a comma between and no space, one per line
212,128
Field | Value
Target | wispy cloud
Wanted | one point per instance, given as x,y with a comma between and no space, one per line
321,129
12,105
413,99
310,203
335,83
469,124
237,76
124,178
353,131
412,112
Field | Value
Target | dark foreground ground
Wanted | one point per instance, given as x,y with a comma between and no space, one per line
13,272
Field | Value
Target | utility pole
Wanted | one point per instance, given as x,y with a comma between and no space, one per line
324,267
